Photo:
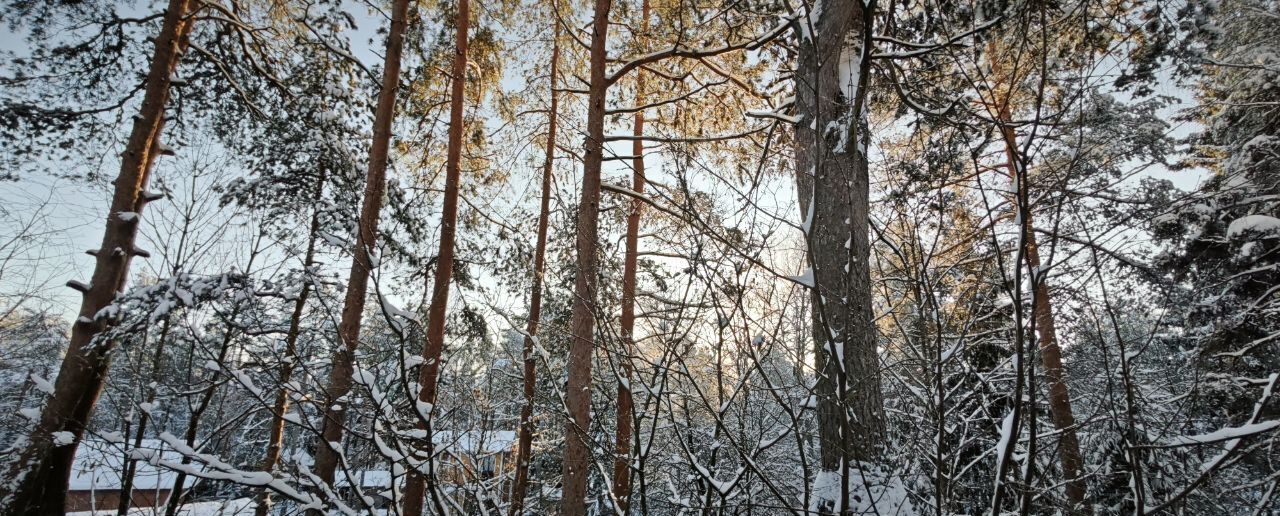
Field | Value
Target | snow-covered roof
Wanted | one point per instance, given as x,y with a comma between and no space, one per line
475,441
99,465
239,506
370,478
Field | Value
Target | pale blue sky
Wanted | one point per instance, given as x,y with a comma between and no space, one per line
71,212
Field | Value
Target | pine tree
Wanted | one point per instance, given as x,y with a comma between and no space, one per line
327,452
831,166
520,485
434,343
41,471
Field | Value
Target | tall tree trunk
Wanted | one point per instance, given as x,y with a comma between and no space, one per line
275,438
622,439
583,322
36,480
429,374
1046,329
520,487
335,414
831,161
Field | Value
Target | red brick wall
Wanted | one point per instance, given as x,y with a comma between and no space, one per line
110,499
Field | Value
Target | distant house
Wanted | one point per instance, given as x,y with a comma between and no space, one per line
374,484
464,458
469,456
99,467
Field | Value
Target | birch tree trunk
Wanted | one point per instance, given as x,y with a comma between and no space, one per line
37,477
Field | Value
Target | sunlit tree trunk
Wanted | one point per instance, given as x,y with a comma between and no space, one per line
36,480
418,480
583,323
335,412
520,487
625,408
1046,329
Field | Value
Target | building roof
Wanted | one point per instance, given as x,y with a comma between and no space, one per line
237,507
99,466
475,441
469,442
369,478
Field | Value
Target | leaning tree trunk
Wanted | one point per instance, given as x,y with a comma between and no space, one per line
36,480
335,413
625,409
275,437
1046,328
831,163
520,487
429,374
583,322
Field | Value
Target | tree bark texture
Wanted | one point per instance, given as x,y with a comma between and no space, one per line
428,376
335,408
583,323
831,170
